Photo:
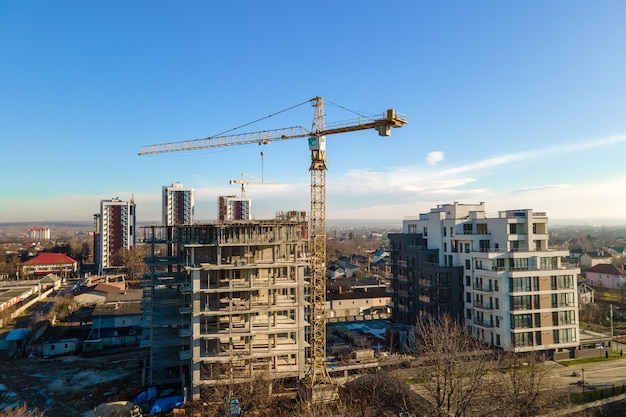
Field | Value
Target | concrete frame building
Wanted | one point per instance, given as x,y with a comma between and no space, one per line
177,205
225,302
115,230
516,292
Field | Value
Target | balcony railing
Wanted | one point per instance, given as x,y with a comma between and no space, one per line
483,323
483,288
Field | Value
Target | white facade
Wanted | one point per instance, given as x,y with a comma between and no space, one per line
117,229
518,294
177,205
39,233
234,208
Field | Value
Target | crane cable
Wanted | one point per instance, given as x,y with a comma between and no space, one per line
351,111
258,120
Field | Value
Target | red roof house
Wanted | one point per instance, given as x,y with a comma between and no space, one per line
49,263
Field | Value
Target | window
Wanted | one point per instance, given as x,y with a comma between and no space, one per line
497,339
522,339
468,297
467,229
564,335
520,284
497,303
467,247
566,299
521,321
444,232
566,282
548,263
468,264
468,313
519,264
535,283
513,228
445,246
412,228
563,317
497,321
521,302
451,231
481,228
537,320
425,231
468,280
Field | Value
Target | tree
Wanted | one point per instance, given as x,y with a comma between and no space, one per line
525,388
457,367
463,377
21,411
132,261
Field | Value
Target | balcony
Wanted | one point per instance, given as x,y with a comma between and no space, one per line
483,323
482,288
483,306
426,283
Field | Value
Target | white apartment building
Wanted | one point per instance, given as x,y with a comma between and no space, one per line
115,230
39,233
234,208
177,205
518,294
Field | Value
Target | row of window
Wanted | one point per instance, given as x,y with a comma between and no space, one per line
534,338
528,302
529,321
525,284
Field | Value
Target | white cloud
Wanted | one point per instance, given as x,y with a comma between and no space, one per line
527,190
433,157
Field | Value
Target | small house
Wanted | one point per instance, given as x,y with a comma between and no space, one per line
62,347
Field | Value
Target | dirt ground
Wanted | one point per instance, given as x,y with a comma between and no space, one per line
69,385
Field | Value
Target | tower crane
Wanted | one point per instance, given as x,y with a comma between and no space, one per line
243,183
317,374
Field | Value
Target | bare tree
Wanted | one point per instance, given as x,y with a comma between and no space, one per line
457,367
524,387
21,411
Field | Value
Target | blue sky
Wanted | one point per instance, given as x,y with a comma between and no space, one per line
518,104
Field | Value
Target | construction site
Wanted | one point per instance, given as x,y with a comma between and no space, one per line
226,301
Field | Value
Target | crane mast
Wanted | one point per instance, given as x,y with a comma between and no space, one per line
318,374
317,145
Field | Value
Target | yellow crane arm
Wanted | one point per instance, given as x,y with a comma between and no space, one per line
381,124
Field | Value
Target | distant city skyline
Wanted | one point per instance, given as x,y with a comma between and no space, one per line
515,104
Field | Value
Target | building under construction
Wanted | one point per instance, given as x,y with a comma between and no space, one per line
226,302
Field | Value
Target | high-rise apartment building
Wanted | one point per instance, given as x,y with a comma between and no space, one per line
494,271
231,207
115,230
39,233
177,205
227,303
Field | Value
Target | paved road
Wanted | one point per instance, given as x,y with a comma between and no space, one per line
596,374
